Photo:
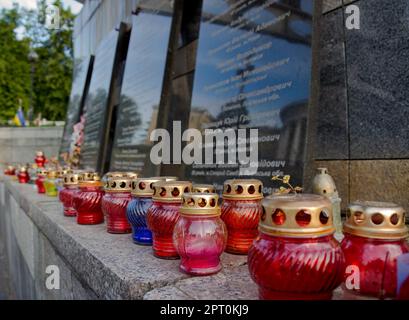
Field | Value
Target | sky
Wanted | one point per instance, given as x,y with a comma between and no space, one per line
32,4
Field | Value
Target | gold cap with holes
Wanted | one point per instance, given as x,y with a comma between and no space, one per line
42,172
243,189
203,188
63,172
118,184
297,216
200,204
143,187
39,153
52,174
71,179
377,220
120,174
89,179
170,191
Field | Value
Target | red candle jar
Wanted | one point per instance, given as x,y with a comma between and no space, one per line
114,203
163,215
41,174
375,235
241,210
203,188
296,256
200,235
87,201
10,171
40,159
66,195
23,176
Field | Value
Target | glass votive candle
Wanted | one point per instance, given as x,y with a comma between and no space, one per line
40,159
241,210
203,188
67,194
163,215
114,202
50,184
296,255
22,175
10,170
87,200
41,174
375,234
142,192
200,235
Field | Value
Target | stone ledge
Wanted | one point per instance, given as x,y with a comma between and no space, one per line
112,266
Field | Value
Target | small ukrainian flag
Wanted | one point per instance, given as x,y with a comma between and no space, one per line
19,118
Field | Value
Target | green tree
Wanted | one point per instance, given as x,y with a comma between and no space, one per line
52,71
14,66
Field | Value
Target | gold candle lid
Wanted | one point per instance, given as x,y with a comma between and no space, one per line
203,188
377,220
39,153
89,179
143,187
170,191
120,174
118,184
63,172
200,204
244,189
42,172
22,169
165,178
71,179
297,216
52,174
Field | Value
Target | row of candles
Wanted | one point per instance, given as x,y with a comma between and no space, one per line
289,239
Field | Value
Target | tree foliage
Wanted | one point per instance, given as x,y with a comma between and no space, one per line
51,72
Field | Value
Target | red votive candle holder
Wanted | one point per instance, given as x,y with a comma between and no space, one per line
114,203
296,256
67,194
40,159
23,176
241,210
163,215
41,175
10,171
200,235
87,201
375,234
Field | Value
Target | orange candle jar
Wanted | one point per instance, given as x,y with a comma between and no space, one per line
375,235
67,194
296,256
114,203
163,215
241,211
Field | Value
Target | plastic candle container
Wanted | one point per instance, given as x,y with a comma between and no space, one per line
40,159
10,171
23,176
66,195
142,192
200,235
50,183
241,210
114,202
87,201
375,235
163,215
296,256
41,174
203,188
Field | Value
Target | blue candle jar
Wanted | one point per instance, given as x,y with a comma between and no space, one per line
142,192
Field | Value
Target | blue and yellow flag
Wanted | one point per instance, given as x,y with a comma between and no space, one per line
19,118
